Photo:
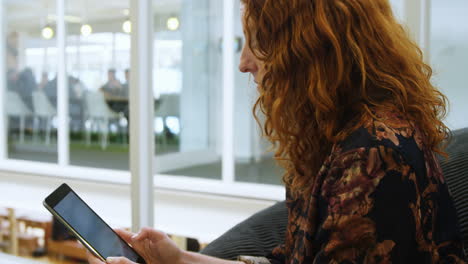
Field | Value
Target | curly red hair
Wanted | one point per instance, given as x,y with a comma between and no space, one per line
327,63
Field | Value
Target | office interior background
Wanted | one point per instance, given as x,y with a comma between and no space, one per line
67,75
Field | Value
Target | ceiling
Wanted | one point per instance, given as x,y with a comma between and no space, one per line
29,15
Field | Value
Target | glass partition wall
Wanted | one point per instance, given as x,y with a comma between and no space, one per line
189,82
254,162
187,87
30,61
98,79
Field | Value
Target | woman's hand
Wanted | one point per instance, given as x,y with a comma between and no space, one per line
155,247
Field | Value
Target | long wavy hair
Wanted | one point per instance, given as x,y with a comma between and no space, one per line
327,63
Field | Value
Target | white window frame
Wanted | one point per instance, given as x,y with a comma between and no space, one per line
3,133
417,16
63,147
142,114
228,162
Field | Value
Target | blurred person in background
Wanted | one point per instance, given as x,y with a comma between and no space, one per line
113,87
126,85
44,81
25,86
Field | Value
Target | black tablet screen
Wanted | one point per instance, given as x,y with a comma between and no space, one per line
97,233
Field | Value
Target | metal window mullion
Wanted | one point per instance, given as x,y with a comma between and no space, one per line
426,29
62,89
412,18
141,114
3,90
113,51
417,16
228,162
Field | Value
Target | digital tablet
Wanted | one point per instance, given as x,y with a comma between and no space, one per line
97,236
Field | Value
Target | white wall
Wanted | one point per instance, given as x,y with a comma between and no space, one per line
200,216
449,56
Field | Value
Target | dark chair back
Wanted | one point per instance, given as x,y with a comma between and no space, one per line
455,170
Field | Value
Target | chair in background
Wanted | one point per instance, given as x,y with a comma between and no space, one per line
43,109
15,231
169,108
8,231
15,107
98,114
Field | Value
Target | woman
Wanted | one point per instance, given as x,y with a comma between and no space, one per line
356,122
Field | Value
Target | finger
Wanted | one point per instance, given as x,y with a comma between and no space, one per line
119,260
125,235
148,233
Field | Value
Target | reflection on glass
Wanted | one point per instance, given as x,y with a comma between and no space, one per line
98,68
187,87
31,59
449,56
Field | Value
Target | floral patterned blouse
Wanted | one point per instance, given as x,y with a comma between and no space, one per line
380,197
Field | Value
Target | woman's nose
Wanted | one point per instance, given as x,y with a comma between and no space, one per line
248,65
243,66
247,61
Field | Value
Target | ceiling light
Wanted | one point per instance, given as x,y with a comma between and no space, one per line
126,12
86,30
127,26
48,32
173,23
